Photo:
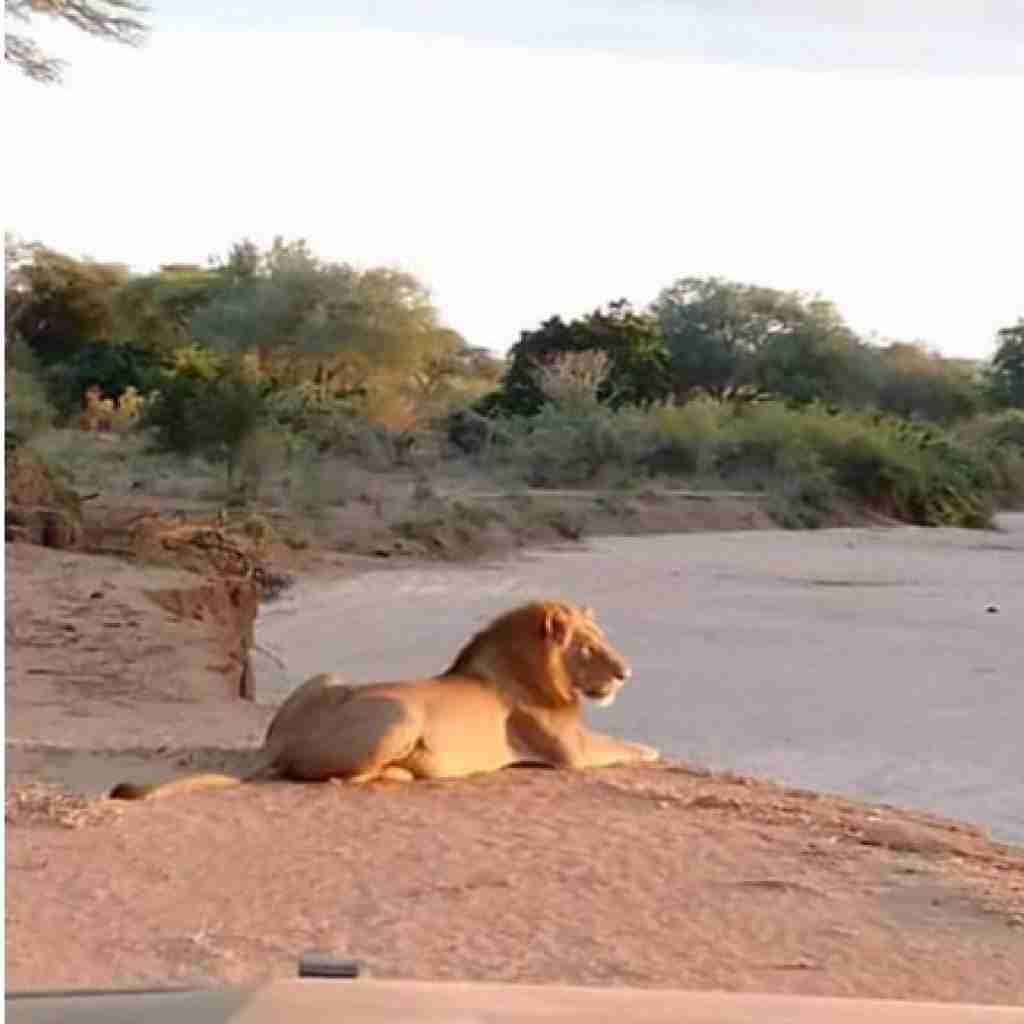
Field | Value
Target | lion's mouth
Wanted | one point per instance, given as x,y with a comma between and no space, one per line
606,693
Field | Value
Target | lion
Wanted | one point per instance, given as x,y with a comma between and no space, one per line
513,695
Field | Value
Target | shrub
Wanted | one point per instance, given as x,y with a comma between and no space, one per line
215,417
27,410
110,367
1000,438
683,438
914,472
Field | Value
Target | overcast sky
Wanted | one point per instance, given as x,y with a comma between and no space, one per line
540,157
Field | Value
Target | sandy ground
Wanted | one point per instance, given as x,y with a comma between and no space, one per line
645,877
654,876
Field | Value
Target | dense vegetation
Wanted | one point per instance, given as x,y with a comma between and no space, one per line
278,355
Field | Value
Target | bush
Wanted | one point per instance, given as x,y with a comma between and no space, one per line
1000,438
27,410
555,448
112,368
214,417
683,438
914,472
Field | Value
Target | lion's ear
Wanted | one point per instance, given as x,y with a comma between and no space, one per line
588,613
558,626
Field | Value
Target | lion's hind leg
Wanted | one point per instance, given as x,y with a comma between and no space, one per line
389,773
365,738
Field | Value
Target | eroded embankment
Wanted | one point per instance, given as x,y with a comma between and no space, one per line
104,654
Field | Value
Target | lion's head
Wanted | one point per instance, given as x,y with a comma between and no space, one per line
552,649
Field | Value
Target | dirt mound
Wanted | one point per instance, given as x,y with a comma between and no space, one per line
38,508
655,876
204,544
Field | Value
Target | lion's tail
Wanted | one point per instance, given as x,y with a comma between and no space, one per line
173,787
191,783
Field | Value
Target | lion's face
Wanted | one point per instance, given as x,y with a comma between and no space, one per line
595,669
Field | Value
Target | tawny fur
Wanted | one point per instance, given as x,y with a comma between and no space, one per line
512,695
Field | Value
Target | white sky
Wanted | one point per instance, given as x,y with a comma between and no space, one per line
519,181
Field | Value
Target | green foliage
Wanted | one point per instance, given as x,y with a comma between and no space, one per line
56,302
323,422
722,334
682,439
159,307
557,448
174,416
1006,375
305,319
806,459
1000,438
113,368
917,384
27,410
816,362
1002,429
632,342
918,474
214,417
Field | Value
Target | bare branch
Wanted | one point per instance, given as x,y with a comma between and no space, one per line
113,20
573,377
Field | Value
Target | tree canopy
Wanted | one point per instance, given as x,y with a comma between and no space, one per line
302,318
721,335
918,384
55,302
1006,376
632,341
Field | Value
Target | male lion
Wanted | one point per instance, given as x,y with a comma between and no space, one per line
511,696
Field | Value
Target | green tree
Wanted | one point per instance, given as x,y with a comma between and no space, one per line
722,335
637,360
56,302
307,320
1006,374
917,384
112,368
27,409
157,309
114,20
207,410
452,367
806,364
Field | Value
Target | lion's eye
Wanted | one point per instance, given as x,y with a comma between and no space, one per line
586,652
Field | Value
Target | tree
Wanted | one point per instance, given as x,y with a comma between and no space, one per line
450,366
157,309
722,335
307,320
57,303
632,342
1006,374
917,384
114,20
88,323
805,364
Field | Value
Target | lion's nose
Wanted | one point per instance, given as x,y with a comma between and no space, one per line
625,672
